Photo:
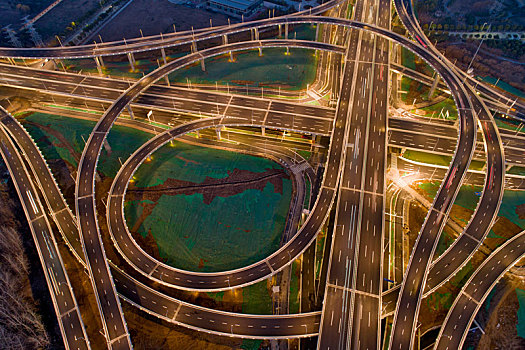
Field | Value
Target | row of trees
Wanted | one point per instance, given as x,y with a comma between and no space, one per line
20,325
473,28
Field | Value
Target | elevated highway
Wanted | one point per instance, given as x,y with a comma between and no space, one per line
64,301
474,293
279,259
145,298
467,106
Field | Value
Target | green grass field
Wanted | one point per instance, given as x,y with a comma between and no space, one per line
123,141
294,71
230,232
255,218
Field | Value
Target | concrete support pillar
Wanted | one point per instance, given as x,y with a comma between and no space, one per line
280,30
263,131
287,51
101,61
394,87
434,86
107,147
393,160
231,56
508,167
163,52
225,39
218,132
131,60
251,34
130,111
260,51
194,46
317,31
256,33
286,30
203,67
99,65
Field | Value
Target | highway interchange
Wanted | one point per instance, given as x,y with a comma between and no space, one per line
360,130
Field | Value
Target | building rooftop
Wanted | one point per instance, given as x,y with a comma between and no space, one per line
238,4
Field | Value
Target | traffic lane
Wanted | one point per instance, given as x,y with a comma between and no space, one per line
475,291
331,174
475,232
76,338
366,326
368,278
57,281
427,128
39,168
452,333
109,306
336,314
342,251
249,102
252,116
67,224
297,122
498,264
414,277
444,269
213,281
257,327
319,112
87,168
217,321
112,88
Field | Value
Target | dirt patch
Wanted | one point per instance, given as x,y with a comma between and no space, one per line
157,16
237,182
520,210
500,328
63,142
148,333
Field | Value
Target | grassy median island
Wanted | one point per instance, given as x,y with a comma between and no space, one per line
202,209
230,211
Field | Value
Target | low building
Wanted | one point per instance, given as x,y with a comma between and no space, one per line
235,8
